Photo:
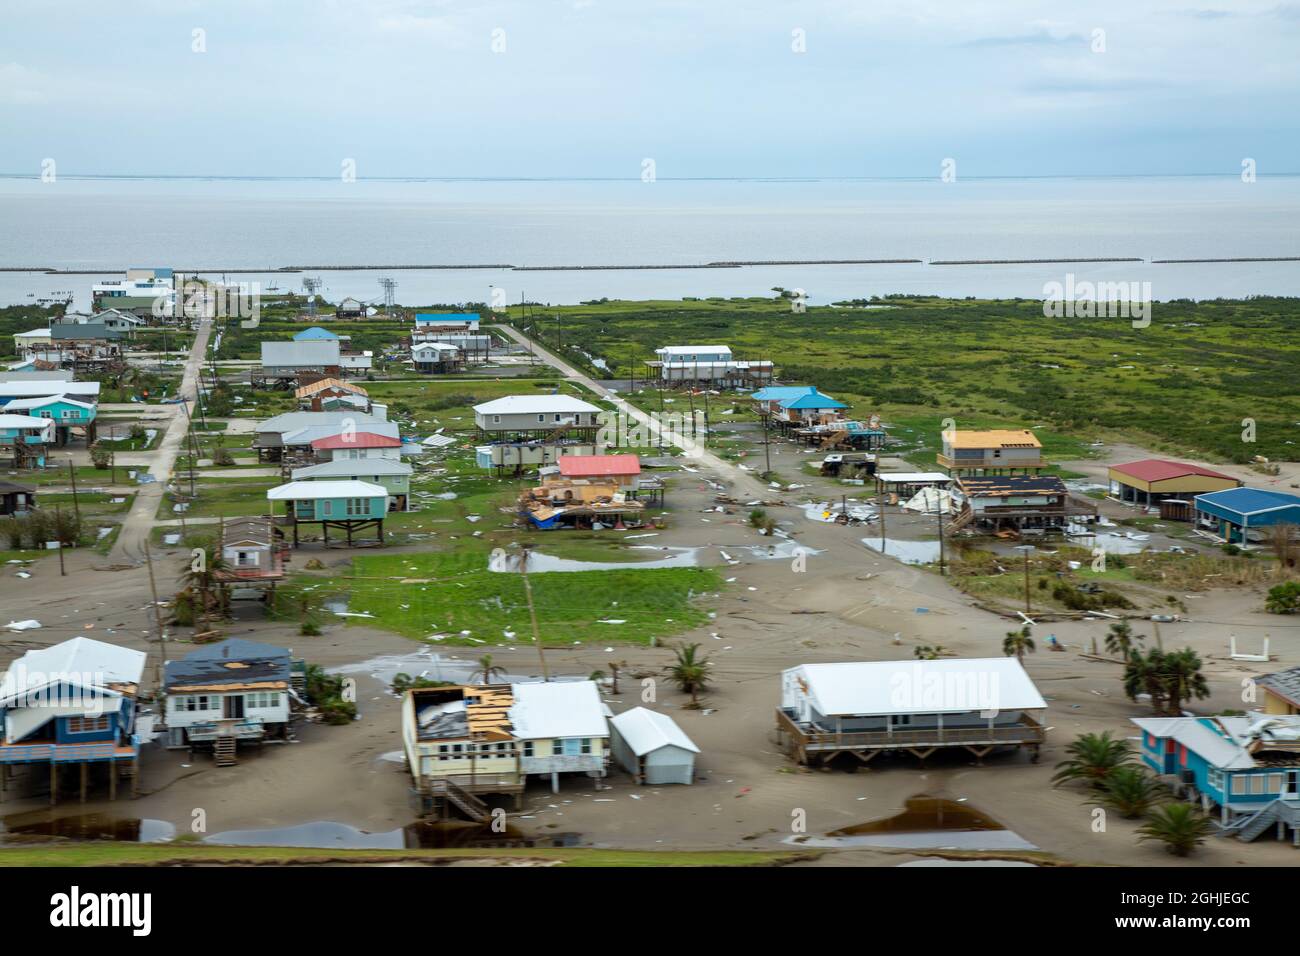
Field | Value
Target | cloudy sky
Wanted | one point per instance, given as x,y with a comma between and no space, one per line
539,88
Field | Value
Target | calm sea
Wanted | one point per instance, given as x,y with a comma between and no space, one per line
221,224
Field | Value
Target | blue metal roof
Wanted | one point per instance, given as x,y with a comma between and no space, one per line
315,333
777,393
434,318
813,399
1248,501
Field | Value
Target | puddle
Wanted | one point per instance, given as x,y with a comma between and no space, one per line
32,827
423,835
502,562
909,552
1111,542
931,823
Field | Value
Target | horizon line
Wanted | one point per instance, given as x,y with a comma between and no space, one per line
811,177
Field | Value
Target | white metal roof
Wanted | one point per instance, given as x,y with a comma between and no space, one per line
81,662
24,421
694,349
292,421
347,467
305,436
557,709
534,405
23,403
645,731
314,490
308,352
944,686
37,389
908,477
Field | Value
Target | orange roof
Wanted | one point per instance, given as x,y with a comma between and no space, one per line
595,466
995,438
1160,469
357,440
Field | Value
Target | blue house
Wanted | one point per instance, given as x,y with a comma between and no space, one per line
72,704
1235,513
25,438
347,505
315,334
1248,767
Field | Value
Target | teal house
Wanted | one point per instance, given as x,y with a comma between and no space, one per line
348,506
66,413
25,438
1246,767
393,475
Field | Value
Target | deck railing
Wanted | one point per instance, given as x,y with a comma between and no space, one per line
1025,730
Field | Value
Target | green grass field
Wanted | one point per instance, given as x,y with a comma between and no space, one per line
1183,385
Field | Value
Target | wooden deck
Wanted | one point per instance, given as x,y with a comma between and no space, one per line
804,743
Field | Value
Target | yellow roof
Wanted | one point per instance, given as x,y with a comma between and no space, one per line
995,438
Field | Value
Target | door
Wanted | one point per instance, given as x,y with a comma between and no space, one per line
232,707
1293,783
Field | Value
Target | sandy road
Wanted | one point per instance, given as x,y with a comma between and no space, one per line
129,547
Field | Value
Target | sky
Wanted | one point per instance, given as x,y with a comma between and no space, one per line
594,88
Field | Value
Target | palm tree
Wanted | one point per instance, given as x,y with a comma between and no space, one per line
1092,759
690,672
1144,675
1179,826
487,670
1121,640
1130,791
1183,680
596,676
1018,643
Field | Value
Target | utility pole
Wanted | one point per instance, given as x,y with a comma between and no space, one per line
72,473
58,523
532,613
157,616
938,512
767,445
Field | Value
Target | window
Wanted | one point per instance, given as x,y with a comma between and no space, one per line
541,419
327,508
528,748
1214,778
557,418
87,725
496,419
586,745
1240,784
70,413
245,559
265,698
358,507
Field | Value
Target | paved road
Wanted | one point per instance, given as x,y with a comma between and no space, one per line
745,484
129,547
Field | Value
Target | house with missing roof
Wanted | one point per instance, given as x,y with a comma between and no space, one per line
465,742
652,748
1247,767
589,492
1281,692
72,705
1153,481
865,708
1245,515
1020,503
1001,450
252,552
231,692
332,394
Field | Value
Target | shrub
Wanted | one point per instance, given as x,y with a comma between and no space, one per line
1284,598
309,629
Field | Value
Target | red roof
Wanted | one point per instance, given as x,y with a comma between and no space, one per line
597,466
357,440
1158,469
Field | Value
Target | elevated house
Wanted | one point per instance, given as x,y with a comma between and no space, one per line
149,294
582,503
299,447
1247,767
285,363
457,322
652,748
1281,692
253,554
359,444
16,499
466,742
519,431
870,707
1246,515
471,346
316,334
392,474
810,408
351,507
1152,481
623,471
72,704
350,308
318,394
232,692
435,358
26,439
710,365
1018,503
998,451
65,412
902,485
353,364
33,340
85,346
269,437
14,388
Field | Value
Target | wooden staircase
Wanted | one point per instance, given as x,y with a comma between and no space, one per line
959,522
223,751
460,798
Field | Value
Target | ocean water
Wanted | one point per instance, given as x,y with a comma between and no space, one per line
213,225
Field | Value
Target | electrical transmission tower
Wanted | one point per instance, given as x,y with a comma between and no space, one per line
309,286
390,298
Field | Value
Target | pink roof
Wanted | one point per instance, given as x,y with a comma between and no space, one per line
595,466
1158,469
357,440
